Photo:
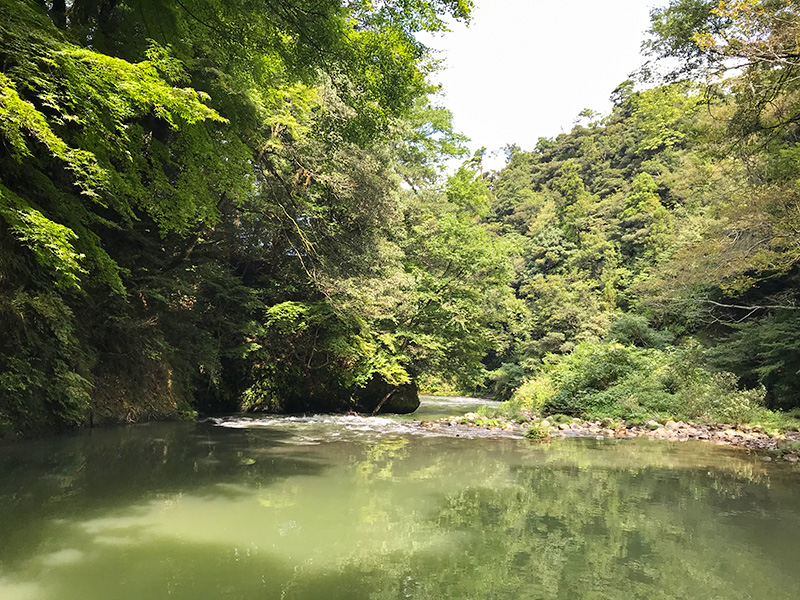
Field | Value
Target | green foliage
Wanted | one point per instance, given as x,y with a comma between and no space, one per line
305,356
720,399
428,140
483,422
201,207
766,351
611,380
468,190
648,225
44,373
537,432
506,379
250,211
52,244
593,214
533,393
665,116
459,303
631,329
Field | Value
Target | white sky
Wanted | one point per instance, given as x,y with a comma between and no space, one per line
524,69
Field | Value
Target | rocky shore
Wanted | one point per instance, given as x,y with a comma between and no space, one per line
778,445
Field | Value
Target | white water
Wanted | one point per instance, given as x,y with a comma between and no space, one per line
320,428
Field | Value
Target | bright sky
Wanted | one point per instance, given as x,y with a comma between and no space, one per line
524,69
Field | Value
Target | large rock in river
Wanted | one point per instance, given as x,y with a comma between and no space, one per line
402,399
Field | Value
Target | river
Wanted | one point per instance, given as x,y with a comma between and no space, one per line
336,507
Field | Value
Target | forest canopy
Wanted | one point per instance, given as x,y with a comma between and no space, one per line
215,206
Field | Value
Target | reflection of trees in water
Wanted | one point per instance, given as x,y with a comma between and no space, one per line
564,533
427,518
587,524
77,476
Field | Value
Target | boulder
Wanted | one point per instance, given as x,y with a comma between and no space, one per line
403,399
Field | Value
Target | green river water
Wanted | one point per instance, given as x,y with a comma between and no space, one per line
374,508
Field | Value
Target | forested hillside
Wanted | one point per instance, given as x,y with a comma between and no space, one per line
657,245
201,209
214,206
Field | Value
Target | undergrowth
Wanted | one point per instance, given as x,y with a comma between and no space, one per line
616,381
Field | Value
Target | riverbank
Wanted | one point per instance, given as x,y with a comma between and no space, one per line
782,445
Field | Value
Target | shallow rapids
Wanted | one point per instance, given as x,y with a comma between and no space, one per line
321,428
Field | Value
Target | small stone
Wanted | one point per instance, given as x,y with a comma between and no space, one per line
599,437
563,426
544,423
671,425
767,459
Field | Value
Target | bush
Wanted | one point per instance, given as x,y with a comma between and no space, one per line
579,379
719,399
506,379
533,393
537,432
611,380
635,330
766,351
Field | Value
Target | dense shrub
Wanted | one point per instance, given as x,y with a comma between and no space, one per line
614,380
505,379
766,351
635,330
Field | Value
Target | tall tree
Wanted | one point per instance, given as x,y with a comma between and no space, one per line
167,162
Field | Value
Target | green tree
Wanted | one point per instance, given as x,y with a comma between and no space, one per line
172,171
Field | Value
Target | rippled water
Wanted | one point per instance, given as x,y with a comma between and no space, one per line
372,508
435,407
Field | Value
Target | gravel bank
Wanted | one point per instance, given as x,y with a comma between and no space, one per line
779,445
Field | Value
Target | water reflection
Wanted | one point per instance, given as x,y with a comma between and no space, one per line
198,511
436,407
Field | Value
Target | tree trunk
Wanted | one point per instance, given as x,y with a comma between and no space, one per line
383,401
59,13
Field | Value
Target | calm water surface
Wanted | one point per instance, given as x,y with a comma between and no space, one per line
352,508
